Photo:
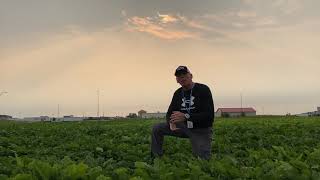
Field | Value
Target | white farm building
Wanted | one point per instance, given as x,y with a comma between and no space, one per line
144,114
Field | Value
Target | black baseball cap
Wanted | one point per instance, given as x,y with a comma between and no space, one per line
181,70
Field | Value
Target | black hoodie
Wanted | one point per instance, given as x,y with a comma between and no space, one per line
201,105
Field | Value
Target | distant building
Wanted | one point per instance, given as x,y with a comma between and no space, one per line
308,114
117,117
141,112
5,117
132,115
35,119
158,115
235,112
48,119
71,118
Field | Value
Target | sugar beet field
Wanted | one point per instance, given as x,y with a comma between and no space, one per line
243,148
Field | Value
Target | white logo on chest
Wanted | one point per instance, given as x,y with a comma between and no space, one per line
190,102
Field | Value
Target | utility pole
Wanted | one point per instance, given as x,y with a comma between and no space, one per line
98,94
241,101
58,111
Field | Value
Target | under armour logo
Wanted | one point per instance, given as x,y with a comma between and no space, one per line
184,102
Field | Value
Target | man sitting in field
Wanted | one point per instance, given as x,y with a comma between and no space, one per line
190,115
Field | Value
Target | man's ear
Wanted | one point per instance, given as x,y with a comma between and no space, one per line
191,76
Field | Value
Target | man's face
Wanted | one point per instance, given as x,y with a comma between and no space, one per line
184,79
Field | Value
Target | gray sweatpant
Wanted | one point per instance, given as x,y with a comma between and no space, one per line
200,139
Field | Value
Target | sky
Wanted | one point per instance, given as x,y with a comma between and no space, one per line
62,52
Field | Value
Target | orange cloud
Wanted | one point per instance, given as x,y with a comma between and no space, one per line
167,18
151,26
194,24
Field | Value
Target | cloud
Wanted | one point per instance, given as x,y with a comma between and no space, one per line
167,26
147,25
284,6
288,6
251,16
203,27
68,68
243,20
165,18
194,24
